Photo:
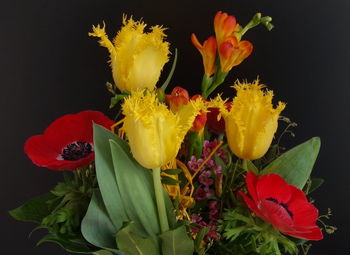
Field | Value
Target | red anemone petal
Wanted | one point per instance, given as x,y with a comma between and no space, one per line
297,194
251,204
64,130
310,233
39,151
305,213
273,186
90,117
62,165
276,214
251,181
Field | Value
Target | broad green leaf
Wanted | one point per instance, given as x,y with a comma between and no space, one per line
66,244
106,176
131,242
103,252
177,241
135,185
295,165
315,184
33,210
96,226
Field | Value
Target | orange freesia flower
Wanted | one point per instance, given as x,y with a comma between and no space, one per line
208,52
224,26
232,51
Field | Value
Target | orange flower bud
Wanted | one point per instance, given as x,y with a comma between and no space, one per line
208,52
224,26
178,97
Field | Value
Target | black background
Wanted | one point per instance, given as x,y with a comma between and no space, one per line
50,67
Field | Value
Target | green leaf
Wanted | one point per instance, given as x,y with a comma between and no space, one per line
106,176
169,181
172,171
33,210
167,81
96,227
66,244
135,185
295,165
177,241
102,252
200,237
131,242
252,168
315,184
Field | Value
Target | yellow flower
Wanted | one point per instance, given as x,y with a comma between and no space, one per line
137,58
154,132
252,121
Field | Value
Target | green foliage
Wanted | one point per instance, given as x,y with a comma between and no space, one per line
313,184
168,180
295,165
247,235
132,243
126,196
34,210
173,66
74,246
177,241
97,226
61,211
172,171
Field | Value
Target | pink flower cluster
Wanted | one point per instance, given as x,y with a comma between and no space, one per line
210,174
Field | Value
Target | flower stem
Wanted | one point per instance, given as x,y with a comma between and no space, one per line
158,189
245,164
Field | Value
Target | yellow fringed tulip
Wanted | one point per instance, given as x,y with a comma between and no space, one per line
252,121
137,58
154,132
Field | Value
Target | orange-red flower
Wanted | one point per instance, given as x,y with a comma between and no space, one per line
232,51
208,52
201,118
178,97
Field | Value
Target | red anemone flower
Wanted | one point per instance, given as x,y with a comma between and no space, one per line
283,205
67,143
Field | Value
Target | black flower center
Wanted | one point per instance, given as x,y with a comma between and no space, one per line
285,207
76,151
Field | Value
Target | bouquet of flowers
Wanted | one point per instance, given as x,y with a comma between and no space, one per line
175,174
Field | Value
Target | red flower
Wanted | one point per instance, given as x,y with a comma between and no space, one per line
216,126
283,205
67,143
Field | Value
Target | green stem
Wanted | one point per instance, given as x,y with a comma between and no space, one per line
158,189
245,164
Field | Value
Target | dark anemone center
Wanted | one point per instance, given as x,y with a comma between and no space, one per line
76,151
285,207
